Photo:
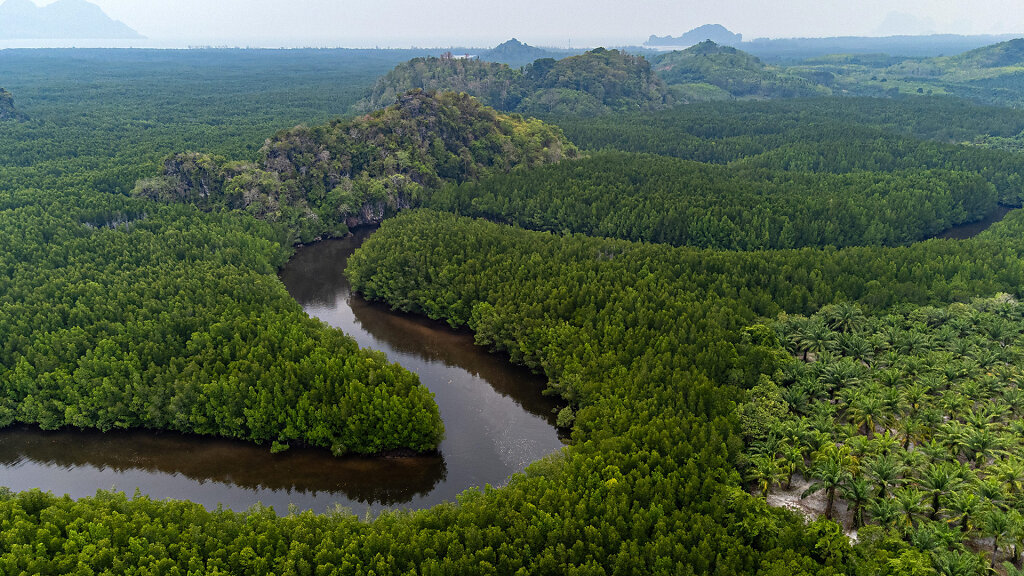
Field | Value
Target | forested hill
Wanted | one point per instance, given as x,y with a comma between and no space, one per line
495,84
318,181
516,53
7,109
597,82
1000,55
708,71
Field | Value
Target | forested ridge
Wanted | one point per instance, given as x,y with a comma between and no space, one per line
318,181
109,298
708,71
597,82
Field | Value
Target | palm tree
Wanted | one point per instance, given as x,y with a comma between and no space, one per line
830,470
1013,399
864,411
769,446
915,396
893,402
793,460
909,501
935,450
842,374
885,470
1011,473
963,506
860,446
996,525
939,480
992,491
986,414
913,342
1016,531
1012,570
884,511
961,347
985,357
797,398
856,491
886,443
982,445
1001,332
815,338
910,427
766,472
952,435
956,563
844,317
856,347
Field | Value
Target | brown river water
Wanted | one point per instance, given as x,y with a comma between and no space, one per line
496,422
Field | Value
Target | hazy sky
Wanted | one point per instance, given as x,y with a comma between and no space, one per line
545,22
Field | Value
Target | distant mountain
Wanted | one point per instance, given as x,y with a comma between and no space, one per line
795,49
515,53
715,32
709,71
64,19
593,83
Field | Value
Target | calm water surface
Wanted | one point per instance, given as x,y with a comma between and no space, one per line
965,231
496,422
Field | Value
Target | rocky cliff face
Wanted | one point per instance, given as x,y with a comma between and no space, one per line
7,109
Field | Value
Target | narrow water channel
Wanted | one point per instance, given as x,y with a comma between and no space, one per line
496,422
965,231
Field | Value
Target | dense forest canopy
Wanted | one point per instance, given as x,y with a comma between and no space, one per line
825,135
121,311
736,207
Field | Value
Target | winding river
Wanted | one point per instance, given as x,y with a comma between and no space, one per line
496,422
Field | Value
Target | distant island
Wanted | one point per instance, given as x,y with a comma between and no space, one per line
62,20
795,49
715,32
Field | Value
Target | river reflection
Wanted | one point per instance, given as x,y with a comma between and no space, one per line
496,422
